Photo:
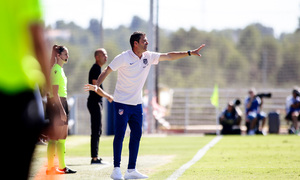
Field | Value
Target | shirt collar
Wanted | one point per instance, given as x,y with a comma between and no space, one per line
135,56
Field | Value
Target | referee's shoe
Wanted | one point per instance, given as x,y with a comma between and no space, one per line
67,170
53,171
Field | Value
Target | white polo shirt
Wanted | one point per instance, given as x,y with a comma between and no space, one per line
132,74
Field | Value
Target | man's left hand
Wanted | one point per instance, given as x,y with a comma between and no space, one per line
196,52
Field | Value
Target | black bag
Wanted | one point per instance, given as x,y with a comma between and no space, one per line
274,122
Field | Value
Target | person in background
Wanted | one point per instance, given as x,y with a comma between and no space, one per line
95,104
230,119
253,106
24,65
292,110
57,104
145,110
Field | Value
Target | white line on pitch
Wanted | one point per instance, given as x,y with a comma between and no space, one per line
196,158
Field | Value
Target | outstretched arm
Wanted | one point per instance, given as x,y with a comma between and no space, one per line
96,88
99,91
177,55
103,75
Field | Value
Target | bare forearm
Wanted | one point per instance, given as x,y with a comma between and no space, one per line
58,103
175,55
249,103
101,92
40,50
103,75
56,98
170,56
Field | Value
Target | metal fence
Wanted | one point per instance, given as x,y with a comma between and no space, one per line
190,107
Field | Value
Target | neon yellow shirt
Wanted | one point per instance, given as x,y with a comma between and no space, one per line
19,70
59,78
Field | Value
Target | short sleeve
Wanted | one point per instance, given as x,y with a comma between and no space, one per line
117,62
33,10
55,76
258,101
155,57
94,73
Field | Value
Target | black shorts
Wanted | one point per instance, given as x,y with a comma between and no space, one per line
289,116
52,110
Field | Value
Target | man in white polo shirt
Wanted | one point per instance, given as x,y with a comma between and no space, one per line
133,67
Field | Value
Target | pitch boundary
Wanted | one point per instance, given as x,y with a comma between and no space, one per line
196,158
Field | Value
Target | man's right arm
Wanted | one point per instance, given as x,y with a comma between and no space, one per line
248,105
96,88
103,75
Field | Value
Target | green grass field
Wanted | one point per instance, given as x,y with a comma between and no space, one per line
233,157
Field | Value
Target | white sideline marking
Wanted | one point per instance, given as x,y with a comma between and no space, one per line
196,158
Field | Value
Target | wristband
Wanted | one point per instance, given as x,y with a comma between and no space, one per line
189,52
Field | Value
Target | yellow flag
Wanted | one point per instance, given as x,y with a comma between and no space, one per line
214,99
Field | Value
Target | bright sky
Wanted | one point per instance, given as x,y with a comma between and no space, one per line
281,15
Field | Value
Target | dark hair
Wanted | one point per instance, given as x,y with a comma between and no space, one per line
56,49
136,36
59,49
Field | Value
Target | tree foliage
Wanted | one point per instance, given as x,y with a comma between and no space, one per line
232,57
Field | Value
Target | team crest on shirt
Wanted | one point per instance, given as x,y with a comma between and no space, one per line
145,61
121,111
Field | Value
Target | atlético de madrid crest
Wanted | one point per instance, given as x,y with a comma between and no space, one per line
121,111
145,61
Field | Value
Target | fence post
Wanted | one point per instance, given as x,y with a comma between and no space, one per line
187,111
217,121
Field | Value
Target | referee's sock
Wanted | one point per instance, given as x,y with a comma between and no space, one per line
61,150
51,153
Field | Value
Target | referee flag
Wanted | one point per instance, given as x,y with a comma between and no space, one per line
214,99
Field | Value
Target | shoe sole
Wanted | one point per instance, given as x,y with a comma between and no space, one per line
117,178
135,178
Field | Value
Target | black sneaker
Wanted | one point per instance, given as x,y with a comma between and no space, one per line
67,170
98,161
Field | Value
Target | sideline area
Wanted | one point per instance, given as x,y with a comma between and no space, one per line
196,158
232,157
159,156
